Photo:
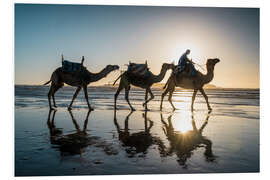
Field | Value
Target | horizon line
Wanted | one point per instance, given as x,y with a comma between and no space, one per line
216,87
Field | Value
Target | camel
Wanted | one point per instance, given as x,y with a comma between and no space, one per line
196,83
183,144
79,79
145,83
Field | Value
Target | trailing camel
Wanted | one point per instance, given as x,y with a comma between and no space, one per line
79,79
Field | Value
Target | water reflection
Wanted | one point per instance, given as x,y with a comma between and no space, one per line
76,142
138,142
72,143
184,143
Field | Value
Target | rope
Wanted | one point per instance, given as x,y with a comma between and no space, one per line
201,66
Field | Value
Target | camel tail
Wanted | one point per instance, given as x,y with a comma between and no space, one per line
47,82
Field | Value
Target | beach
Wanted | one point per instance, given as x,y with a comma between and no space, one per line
108,142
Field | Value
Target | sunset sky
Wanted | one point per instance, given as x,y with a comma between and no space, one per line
119,34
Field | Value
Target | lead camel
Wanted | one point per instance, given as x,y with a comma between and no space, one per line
196,83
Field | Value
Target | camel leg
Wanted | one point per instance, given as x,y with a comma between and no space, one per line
162,96
152,97
54,104
127,99
145,99
193,98
170,97
117,93
74,97
49,96
53,92
206,99
86,97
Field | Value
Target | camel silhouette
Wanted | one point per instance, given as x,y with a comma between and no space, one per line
79,79
196,83
145,83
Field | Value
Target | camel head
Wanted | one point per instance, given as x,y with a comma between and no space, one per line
211,63
168,66
112,67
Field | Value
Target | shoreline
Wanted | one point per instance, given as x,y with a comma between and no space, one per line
134,87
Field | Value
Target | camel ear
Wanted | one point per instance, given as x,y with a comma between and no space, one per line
62,58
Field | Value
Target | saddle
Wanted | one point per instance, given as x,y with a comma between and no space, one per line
138,70
186,71
71,67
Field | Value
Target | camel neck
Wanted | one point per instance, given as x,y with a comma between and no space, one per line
160,76
97,76
209,76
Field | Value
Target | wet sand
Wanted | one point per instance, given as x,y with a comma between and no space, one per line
105,142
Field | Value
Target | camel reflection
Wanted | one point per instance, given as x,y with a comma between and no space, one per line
72,143
138,142
183,144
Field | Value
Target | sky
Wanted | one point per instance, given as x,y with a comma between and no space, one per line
119,34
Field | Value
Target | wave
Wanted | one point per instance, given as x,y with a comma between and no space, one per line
103,97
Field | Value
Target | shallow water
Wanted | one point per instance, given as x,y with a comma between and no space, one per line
107,142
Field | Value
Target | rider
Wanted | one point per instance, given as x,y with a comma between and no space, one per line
184,61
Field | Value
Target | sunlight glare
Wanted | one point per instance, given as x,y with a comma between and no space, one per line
195,54
182,122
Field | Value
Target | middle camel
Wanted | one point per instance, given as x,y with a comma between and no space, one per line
145,83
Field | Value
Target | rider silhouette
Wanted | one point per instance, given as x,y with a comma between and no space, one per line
184,61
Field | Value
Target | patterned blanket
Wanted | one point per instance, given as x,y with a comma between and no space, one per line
68,66
138,69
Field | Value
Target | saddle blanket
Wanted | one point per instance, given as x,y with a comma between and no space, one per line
68,66
138,69
187,70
